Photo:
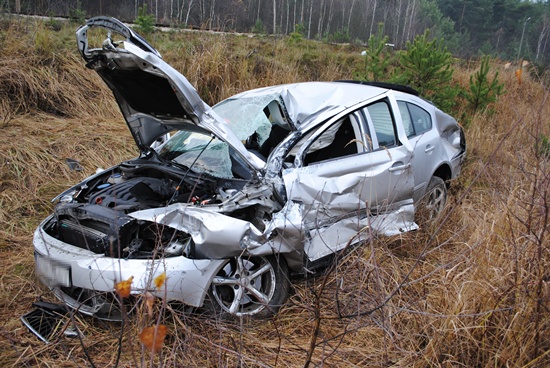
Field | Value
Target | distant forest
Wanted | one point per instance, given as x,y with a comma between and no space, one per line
509,29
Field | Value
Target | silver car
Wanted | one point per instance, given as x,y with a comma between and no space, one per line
266,184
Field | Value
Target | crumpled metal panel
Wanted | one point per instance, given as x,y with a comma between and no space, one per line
333,189
219,236
307,103
215,235
331,222
330,239
332,197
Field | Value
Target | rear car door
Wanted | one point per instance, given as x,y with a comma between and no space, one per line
425,140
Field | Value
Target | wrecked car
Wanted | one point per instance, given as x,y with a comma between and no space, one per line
267,184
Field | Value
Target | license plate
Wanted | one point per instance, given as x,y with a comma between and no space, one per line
51,272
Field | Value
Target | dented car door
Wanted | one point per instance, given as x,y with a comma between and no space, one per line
346,172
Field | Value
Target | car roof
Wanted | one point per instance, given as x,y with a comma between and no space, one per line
308,103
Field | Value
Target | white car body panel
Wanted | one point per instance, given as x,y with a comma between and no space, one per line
186,279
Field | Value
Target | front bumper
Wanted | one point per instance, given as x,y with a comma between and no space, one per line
62,266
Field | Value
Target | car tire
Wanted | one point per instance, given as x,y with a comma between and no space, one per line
434,200
250,286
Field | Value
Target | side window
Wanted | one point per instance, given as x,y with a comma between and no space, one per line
339,140
406,117
416,120
383,123
421,119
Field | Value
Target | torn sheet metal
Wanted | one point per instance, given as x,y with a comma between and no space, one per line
330,239
286,228
316,101
219,236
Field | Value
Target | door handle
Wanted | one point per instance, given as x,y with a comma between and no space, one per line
399,166
429,148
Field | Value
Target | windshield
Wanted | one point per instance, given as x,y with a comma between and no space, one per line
202,153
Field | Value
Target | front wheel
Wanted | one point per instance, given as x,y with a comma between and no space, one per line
247,286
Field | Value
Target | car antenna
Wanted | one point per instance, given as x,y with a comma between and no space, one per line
189,169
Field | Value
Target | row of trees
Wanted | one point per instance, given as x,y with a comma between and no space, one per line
469,27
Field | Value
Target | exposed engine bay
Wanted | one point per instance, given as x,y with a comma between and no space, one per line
95,214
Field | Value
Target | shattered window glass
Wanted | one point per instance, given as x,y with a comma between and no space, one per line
246,116
211,155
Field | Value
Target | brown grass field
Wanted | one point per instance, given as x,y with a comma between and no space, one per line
472,290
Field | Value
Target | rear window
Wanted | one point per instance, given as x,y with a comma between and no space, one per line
416,120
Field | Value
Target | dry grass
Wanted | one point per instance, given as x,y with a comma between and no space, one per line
471,291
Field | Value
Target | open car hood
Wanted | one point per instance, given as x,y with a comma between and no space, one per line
153,97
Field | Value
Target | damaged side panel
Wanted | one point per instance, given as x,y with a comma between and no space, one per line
377,181
330,239
341,197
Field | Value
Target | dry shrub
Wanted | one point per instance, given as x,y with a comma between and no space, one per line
41,74
470,290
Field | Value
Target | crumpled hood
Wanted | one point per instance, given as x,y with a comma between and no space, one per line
154,98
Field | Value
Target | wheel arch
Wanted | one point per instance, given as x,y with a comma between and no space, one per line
444,172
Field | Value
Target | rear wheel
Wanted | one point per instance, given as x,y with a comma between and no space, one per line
433,202
247,286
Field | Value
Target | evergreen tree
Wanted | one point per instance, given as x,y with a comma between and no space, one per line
426,66
482,91
377,58
442,26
